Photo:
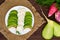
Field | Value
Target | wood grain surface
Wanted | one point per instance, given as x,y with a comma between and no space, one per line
5,6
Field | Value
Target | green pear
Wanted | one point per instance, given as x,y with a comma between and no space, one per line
47,32
56,29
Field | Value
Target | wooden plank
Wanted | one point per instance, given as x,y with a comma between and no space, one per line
11,3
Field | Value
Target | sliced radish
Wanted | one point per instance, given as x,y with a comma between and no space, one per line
57,16
52,10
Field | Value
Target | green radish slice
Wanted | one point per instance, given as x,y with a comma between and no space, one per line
56,29
13,19
28,20
13,12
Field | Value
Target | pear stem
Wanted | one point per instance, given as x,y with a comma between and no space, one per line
44,14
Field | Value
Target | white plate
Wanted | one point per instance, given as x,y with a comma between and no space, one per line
18,8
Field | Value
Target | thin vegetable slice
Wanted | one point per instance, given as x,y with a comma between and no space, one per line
13,19
28,20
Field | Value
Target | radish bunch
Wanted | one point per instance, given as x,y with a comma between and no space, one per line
54,10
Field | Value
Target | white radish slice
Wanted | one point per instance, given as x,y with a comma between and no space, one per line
26,30
13,30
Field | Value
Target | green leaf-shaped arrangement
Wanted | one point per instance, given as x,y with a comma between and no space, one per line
28,20
13,19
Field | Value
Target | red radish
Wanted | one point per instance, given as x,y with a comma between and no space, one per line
52,10
57,16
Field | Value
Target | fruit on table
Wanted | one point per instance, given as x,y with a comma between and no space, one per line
47,32
56,29
51,28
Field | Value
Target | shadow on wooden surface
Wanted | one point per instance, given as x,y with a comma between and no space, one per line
2,37
1,1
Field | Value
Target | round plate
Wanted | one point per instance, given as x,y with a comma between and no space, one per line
19,8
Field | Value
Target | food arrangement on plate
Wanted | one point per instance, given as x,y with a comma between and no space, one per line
52,28
19,20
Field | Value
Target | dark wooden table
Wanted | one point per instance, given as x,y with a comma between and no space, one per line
37,34
1,35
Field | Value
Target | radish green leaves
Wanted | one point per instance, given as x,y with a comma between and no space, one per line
45,2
